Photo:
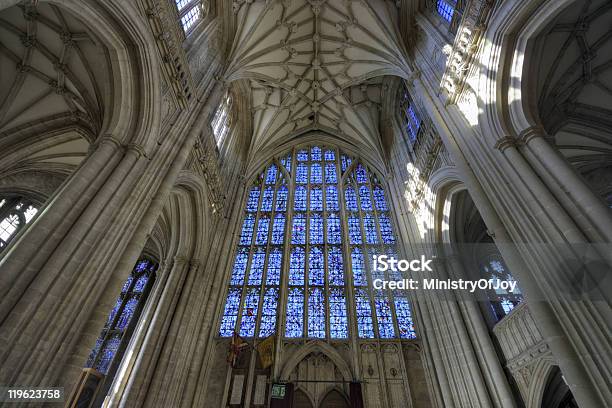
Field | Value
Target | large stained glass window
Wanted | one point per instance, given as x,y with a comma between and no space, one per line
117,330
15,214
190,12
302,269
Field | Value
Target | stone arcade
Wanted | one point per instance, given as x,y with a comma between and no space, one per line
192,193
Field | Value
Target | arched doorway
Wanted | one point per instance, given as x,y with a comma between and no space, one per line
301,400
334,399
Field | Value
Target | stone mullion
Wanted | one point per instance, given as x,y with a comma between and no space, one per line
252,247
351,305
383,246
269,248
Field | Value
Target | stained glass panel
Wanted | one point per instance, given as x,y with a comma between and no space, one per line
384,316
330,155
379,198
302,174
354,230
267,326
262,231
316,273
278,229
365,326
257,267
249,313
296,267
253,200
345,162
386,230
281,198
300,198
334,233
404,316
359,277
331,198
351,199
230,313
274,267
316,313
267,199
294,326
330,173
316,229
335,267
316,176
271,174
315,153
364,198
302,155
338,320
369,226
316,199
361,174
247,229
298,232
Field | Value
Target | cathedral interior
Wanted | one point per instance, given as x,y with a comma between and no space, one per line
193,195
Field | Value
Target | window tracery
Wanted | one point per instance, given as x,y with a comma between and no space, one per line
410,118
502,302
117,330
325,274
190,12
15,214
222,121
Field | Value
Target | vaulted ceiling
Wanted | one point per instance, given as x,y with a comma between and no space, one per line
315,65
574,82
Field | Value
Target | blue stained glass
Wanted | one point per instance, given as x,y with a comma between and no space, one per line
278,229
113,312
316,199
365,325
257,267
263,226
316,271
359,277
128,311
247,229
249,313
268,313
230,314
240,265
294,326
302,155
379,199
345,162
364,198
351,199
296,267
281,198
330,173
384,317
354,230
316,176
413,123
404,317
316,313
361,175
330,155
140,284
94,351
275,259
271,174
108,352
315,153
298,232
369,226
338,321
316,229
253,201
127,283
507,305
386,231
299,201
335,270
331,198
334,235
302,174
267,199
445,10
286,161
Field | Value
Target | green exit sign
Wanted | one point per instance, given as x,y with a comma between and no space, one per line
278,391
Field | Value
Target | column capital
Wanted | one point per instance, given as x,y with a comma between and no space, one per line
531,133
506,142
138,149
